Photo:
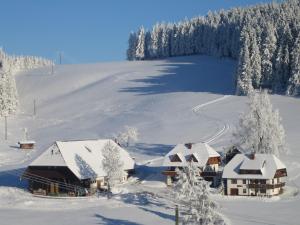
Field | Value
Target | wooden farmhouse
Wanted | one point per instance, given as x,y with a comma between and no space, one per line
254,175
72,168
204,156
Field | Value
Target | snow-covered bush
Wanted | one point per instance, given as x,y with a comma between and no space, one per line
128,136
260,129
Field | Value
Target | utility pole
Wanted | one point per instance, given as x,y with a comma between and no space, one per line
52,68
34,107
176,215
60,57
5,127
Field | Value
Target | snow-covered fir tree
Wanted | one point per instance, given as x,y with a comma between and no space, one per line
132,43
260,129
294,81
141,47
8,91
112,165
192,196
244,79
272,30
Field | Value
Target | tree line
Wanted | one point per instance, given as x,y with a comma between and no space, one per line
9,66
264,39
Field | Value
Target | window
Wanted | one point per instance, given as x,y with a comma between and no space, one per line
244,181
244,191
234,181
263,191
263,181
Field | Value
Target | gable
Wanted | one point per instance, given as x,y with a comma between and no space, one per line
51,157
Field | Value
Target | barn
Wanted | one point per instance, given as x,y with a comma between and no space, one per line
73,168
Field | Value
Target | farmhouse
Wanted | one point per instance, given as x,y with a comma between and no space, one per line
254,175
204,156
72,168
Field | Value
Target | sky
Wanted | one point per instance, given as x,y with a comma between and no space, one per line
87,31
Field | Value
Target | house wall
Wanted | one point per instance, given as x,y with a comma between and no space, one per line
241,187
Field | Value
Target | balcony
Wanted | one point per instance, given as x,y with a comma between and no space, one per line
209,174
266,186
171,173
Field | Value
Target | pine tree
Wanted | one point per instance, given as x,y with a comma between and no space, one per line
244,79
255,60
141,48
260,130
268,49
294,81
132,43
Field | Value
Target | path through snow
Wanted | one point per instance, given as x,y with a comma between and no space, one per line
225,127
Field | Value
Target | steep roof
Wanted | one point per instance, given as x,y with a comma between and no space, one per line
83,158
266,163
201,151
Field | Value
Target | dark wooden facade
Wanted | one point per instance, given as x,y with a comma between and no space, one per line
54,180
26,145
213,160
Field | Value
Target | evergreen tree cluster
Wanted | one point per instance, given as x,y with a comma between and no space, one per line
9,66
265,39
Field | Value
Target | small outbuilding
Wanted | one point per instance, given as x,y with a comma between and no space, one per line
26,144
254,175
73,168
203,156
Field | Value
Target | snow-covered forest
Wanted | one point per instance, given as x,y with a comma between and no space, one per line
9,66
265,39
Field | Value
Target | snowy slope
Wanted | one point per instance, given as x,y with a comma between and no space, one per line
185,99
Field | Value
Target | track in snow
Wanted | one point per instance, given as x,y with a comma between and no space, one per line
198,107
225,127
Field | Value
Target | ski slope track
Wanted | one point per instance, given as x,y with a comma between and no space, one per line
161,98
224,129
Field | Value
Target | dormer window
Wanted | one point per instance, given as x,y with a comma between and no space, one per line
192,158
175,158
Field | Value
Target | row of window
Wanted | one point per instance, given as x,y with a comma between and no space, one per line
254,181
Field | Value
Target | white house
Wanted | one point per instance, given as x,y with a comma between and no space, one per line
68,164
203,156
254,174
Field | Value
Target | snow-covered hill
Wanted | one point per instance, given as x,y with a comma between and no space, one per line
184,99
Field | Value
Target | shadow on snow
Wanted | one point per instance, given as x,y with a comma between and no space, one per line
188,74
111,221
12,178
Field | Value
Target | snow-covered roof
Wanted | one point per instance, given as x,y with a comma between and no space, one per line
267,164
201,151
26,142
83,158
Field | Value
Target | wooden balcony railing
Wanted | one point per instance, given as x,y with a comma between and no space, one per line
266,186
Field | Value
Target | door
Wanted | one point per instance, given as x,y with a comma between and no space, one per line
234,191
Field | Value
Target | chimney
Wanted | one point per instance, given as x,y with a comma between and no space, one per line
252,156
189,145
